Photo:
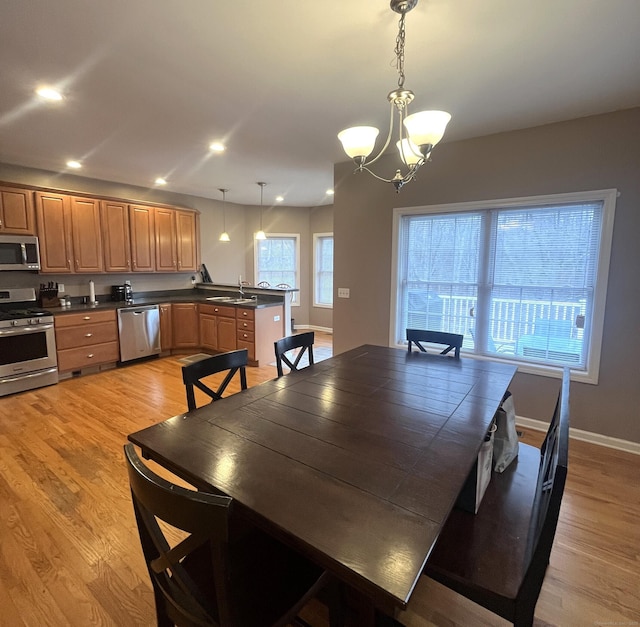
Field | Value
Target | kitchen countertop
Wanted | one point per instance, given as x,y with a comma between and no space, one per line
202,296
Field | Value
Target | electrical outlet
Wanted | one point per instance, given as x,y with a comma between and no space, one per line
276,318
343,292
61,288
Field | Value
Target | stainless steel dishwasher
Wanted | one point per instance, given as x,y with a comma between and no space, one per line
139,331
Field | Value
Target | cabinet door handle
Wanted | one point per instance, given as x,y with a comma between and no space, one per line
90,355
244,313
87,318
244,324
88,334
245,335
216,310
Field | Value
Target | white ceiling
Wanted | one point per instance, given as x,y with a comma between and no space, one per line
150,83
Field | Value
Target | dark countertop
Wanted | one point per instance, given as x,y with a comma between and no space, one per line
175,296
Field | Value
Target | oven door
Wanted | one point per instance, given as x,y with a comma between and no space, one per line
24,350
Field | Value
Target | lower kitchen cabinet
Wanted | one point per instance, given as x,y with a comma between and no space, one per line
257,330
86,339
217,328
166,330
184,325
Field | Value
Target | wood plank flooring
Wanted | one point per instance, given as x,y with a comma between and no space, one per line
69,549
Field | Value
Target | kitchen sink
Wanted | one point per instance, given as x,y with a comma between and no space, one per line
232,300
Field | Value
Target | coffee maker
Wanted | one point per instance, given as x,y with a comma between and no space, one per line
122,293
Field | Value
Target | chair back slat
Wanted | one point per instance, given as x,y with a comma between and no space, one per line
554,460
451,341
303,341
233,361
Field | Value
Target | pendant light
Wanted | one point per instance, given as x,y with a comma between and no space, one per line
261,234
224,236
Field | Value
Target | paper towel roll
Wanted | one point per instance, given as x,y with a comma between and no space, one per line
92,292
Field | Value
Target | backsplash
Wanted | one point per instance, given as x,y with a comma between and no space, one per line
78,285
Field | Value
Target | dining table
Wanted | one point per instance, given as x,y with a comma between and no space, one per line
355,461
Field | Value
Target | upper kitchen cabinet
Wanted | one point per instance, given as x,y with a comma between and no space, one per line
166,260
143,247
54,230
176,240
17,214
69,232
187,240
115,236
86,235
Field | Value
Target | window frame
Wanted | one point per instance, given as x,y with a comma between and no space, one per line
607,196
295,298
316,240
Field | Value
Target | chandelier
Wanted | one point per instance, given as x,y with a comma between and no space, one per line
418,133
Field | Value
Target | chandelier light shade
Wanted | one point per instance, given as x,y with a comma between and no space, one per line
261,234
224,236
417,133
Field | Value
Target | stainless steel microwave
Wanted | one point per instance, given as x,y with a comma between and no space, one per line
19,252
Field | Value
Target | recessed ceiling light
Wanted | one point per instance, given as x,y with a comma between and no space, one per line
49,93
279,198
329,192
161,181
216,147
74,164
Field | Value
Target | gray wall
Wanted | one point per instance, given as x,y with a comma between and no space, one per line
586,154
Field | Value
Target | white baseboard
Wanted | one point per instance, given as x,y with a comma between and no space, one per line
585,436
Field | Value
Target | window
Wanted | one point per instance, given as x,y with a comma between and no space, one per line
277,260
522,279
323,270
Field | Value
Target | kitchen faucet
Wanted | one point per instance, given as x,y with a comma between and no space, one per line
240,287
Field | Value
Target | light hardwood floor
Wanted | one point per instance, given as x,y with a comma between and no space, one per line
69,550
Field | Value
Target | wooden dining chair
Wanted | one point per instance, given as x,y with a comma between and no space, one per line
303,341
498,557
215,575
451,341
192,375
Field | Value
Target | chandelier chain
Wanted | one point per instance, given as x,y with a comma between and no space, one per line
399,50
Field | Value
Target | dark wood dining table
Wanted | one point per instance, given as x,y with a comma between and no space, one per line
355,461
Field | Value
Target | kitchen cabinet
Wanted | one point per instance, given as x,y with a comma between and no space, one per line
86,235
70,234
53,215
17,211
143,243
257,330
166,332
185,328
86,339
187,240
165,236
116,239
217,327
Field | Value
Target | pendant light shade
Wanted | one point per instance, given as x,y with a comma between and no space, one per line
224,236
261,234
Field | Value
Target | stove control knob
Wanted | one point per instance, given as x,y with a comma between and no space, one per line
15,323
34,321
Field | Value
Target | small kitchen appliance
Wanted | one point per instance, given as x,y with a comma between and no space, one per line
27,342
122,293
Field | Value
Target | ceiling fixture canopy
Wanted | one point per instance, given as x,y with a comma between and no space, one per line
261,234
224,236
418,133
